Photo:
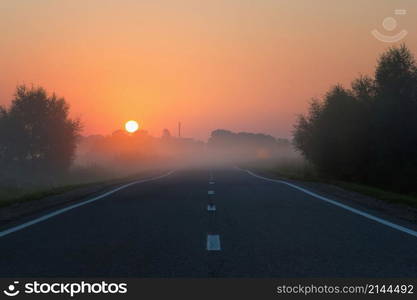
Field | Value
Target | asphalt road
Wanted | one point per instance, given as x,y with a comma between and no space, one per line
163,228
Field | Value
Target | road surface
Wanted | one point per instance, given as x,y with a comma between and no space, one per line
202,223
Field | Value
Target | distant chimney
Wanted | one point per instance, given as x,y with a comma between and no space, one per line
179,129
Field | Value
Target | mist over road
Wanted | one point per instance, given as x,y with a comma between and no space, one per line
208,223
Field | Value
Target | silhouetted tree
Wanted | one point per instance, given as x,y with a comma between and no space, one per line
166,134
36,133
367,133
395,118
329,135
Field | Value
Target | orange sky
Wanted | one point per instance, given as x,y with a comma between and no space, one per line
244,65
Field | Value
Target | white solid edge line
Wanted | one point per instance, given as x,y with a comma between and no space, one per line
213,242
62,210
346,207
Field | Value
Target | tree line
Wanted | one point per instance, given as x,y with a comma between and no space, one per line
245,146
367,133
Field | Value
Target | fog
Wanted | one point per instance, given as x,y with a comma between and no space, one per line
41,148
124,154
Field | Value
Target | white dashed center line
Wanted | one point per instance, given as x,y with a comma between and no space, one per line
210,192
211,207
211,182
213,242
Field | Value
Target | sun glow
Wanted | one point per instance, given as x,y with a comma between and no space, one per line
131,126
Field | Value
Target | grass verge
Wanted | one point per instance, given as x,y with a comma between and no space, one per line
15,195
307,173
36,194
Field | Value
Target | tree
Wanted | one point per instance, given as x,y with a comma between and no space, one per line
395,118
166,134
36,132
328,136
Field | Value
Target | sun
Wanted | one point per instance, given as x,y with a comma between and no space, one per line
131,126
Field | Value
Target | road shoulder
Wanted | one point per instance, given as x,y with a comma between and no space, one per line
385,209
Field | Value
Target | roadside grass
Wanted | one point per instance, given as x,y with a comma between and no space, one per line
299,169
378,193
25,195
13,195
